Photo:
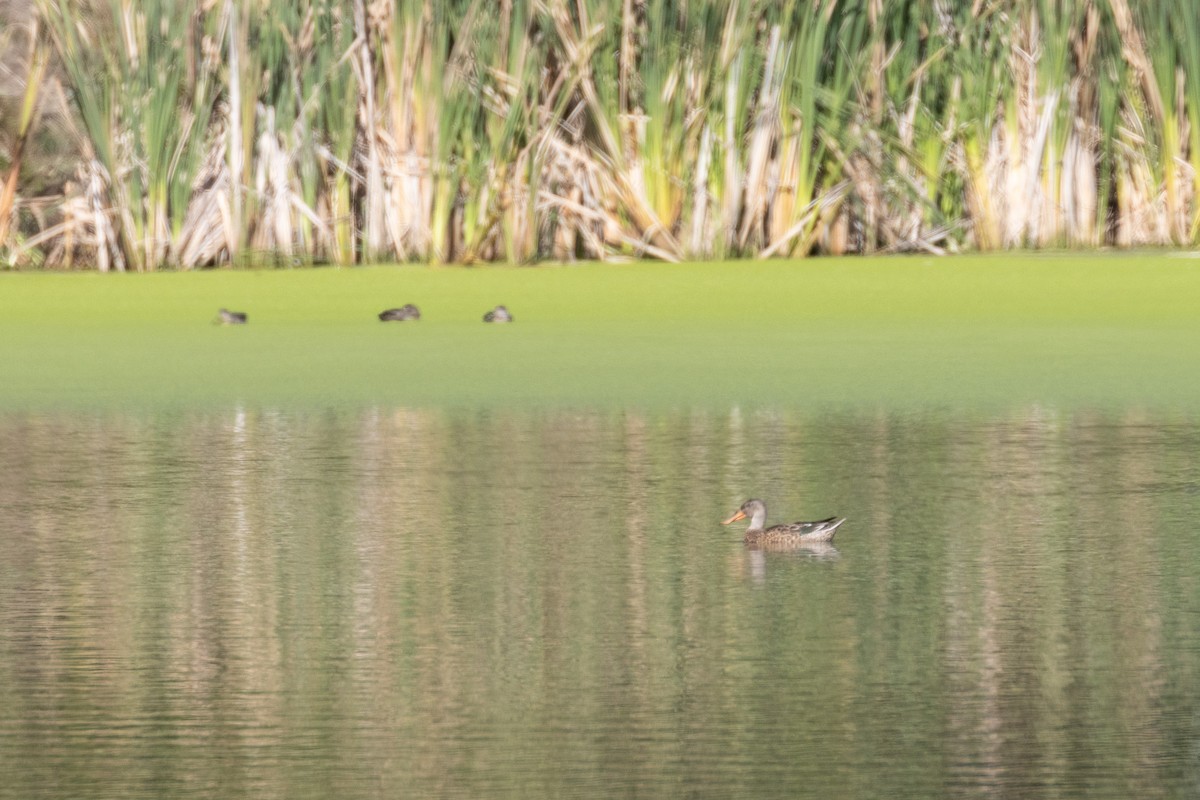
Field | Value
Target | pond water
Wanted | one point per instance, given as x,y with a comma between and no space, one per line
418,603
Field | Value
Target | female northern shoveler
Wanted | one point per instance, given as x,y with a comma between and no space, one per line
498,314
405,312
796,533
232,317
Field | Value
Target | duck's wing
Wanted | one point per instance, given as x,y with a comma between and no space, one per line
818,530
809,527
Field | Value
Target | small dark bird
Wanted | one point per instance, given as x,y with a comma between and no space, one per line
232,317
498,314
406,312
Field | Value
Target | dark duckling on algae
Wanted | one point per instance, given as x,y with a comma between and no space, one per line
499,314
406,312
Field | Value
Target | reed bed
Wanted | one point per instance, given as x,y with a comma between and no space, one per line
345,131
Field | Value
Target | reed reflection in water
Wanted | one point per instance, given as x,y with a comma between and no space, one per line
434,603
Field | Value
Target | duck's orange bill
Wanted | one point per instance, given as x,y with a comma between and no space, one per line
735,517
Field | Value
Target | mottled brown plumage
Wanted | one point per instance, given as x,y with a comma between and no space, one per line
499,314
794,534
402,314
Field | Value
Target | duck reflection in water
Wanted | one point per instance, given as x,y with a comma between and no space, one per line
755,558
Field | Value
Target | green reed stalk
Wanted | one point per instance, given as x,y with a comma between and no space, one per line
1186,27
34,75
982,86
1163,49
1060,23
145,106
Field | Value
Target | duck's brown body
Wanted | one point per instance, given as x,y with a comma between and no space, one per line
402,314
795,534
499,314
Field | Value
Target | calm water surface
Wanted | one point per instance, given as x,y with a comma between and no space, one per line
402,603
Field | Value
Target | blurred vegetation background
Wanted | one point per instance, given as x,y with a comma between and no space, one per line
146,134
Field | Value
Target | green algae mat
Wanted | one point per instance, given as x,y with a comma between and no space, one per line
1107,330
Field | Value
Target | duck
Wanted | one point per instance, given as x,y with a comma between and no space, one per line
498,314
228,317
792,534
406,312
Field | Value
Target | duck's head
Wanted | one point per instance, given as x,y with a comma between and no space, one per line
756,510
